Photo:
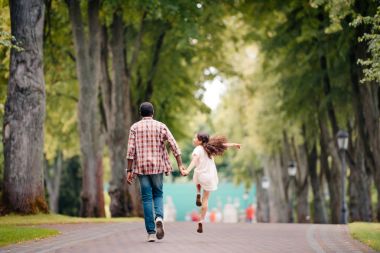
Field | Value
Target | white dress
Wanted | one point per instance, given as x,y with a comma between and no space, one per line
205,172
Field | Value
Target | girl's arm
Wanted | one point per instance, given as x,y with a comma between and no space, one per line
235,145
192,164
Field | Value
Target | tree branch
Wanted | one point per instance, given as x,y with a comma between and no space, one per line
155,60
105,80
71,56
67,96
137,44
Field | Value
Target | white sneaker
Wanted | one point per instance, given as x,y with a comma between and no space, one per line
151,238
159,228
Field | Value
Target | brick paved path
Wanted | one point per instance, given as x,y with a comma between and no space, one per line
183,238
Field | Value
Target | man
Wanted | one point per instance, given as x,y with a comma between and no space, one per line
149,160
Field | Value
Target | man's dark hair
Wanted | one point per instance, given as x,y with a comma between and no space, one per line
146,109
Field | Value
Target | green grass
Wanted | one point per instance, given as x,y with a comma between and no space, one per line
367,233
13,230
41,219
16,234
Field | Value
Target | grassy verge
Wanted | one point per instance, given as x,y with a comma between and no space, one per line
367,233
40,219
16,234
13,230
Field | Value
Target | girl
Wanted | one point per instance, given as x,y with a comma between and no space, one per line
205,174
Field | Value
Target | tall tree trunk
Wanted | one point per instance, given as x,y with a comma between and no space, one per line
100,204
25,112
328,96
372,113
319,209
262,214
120,120
368,117
335,171
303,214
359,187
302,183
278,204
289,184
125,200
366,105
326,83
332,172
295,188
53,180
88,68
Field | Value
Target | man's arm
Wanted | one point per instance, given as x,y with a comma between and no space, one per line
131,154
179,162
129,171
174,147
131,144
130,163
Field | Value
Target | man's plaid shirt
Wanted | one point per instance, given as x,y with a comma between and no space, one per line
146,146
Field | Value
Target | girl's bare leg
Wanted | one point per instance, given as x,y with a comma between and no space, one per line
198,199
204,209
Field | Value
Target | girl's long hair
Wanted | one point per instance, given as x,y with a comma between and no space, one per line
214,145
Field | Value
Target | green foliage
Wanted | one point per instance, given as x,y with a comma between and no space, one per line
61,85
372,64
4,72
61,135
285,91
188,48
71,185
337,11
7,41
293,53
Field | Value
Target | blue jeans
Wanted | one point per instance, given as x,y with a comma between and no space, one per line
151,192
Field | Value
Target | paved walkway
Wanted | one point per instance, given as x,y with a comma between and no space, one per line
181,237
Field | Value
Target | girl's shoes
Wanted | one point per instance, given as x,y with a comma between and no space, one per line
200,228
198,201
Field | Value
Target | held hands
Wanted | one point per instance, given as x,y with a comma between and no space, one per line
183,171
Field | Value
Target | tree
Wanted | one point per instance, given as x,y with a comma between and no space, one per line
61,135
117,116
25,112
313,50
69,202
4,73
347,17
141,43
88,67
